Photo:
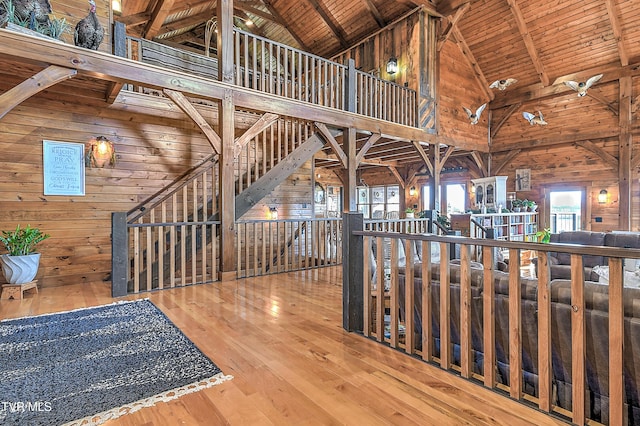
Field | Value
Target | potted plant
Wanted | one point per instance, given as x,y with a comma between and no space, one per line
20,265
516,205
409,213
544,236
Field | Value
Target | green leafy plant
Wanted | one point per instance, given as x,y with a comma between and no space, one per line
445,222
22,241
544,236
409,210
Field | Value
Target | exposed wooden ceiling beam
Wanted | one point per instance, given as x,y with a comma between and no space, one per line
187,22
506,160
284,24
427,6
425,157
496,127
595,94
447,7
477,158
261,124
134,20
553,141
187,107
255,11
451,23
528,42
394,171
158,16
478,74
601,153
611,72
46,78
367,145
617,31
337,149
330,21
375,12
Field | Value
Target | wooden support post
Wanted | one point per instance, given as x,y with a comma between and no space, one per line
435,193
353,274
225,40
119,254
625,144
119,39
227,188
349,144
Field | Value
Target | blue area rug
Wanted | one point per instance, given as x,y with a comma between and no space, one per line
91,365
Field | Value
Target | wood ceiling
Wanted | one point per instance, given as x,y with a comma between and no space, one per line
539,43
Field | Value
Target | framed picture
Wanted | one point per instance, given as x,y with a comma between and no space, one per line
63,168
523,179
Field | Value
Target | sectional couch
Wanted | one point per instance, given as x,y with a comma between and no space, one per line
596,322
561,262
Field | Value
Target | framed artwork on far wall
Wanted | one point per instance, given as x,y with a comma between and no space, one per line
523,179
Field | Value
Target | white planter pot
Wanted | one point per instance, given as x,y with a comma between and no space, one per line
20,269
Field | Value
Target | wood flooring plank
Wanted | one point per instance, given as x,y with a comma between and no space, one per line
281,338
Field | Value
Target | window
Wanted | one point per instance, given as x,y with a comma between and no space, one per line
378,201
457,197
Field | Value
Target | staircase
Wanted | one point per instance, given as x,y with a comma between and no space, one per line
173,236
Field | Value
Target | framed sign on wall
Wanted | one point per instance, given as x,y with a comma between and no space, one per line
63,168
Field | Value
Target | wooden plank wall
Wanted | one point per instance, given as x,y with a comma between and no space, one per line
457,87
558,154
155,143
75,10
372,54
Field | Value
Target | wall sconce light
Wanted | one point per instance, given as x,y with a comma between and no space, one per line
101,152
116,6
392,65
273,213
412,191
603,196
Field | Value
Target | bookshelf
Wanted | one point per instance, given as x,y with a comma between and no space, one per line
507,226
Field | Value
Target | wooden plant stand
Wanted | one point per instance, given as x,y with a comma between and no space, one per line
16,291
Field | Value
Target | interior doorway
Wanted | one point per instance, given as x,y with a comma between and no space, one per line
566,210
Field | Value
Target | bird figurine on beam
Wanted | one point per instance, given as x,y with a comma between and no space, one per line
503,84
474,117
532,119
582,86
89,33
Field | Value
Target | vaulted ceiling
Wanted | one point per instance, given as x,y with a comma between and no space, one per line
541,43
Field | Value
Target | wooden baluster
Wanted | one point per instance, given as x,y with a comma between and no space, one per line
426,301
366,299
515,325
173,240
578,345
466,351
544,332
616,342
409,298
445,307
488,317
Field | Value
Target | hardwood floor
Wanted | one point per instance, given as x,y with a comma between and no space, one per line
282,340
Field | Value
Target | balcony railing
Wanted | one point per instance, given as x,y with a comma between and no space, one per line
267,66
570,347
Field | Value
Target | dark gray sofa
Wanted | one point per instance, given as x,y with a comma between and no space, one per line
596,321
561,262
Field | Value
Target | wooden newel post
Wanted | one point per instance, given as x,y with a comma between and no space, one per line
119,254
352,273
120,39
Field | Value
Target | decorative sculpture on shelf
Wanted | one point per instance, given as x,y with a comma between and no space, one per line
89,33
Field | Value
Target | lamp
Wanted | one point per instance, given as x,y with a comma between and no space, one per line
101,152
273,213
392,65
412,191
603,196
116,6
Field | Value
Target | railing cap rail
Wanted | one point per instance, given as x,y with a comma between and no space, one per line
618,252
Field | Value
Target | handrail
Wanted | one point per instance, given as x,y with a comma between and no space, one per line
545,316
